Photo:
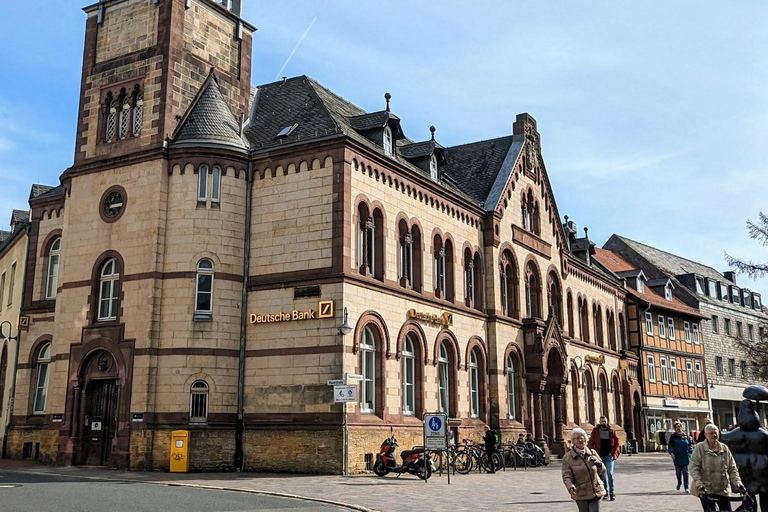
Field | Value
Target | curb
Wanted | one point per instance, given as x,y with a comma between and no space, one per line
359,508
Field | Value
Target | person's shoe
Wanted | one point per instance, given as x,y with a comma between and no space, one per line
613,497
687,491
678,487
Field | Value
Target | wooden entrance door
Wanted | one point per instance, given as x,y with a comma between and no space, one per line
100,421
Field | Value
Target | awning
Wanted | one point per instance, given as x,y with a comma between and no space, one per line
679,409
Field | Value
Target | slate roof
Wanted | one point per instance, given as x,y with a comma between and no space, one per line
209,119
419,149
615,263
19,216
4,235
670,263
38,190
371,121
474,167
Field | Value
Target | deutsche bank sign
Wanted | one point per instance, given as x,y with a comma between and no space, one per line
434,431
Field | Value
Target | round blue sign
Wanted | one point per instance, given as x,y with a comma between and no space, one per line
435,424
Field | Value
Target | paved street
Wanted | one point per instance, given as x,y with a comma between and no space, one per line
644,482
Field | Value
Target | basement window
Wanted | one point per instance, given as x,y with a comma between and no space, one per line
286,131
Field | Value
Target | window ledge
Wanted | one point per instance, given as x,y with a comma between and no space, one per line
215,204
203,317
202,204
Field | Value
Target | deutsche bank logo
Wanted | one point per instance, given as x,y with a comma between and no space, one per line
435,424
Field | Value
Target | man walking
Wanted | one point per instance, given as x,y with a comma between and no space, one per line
490,447
605,441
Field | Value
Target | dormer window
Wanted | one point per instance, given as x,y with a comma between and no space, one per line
433,167
668,292
640,284
387,141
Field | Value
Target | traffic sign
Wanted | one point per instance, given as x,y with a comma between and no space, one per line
354,376
434,431
336,382
344,394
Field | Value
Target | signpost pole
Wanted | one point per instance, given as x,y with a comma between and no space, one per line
346,441
424,434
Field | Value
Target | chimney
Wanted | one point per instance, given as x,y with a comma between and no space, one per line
730,275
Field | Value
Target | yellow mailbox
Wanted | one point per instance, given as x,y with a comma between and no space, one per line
179,451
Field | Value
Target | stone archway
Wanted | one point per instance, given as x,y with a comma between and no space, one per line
546,377
639,423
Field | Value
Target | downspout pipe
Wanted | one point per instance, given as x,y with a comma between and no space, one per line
240,428
12,396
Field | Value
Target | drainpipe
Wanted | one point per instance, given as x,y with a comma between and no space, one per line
11,398
239,458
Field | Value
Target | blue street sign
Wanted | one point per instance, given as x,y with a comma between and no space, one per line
435,424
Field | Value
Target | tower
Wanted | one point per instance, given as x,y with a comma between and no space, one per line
143,63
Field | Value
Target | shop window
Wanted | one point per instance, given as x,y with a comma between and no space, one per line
198,403
204,290
43,361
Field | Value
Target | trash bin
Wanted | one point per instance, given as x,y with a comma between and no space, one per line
179,451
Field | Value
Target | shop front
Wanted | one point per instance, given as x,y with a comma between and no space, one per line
663,412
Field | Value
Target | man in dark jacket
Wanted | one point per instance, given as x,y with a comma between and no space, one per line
605,441
490,447
680,447
701,437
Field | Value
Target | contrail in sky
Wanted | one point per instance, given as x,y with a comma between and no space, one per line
295,48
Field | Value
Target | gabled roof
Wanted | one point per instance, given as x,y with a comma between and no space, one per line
208,119
475,167
4,235
19,216
372,121
614,262
662,281
38,190
419,149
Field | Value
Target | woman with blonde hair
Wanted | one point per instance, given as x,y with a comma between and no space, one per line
713,469
582,469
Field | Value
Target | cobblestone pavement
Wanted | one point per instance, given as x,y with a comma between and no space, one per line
643,482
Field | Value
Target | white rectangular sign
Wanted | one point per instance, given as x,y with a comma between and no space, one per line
345,394
434,431
354,376
336,382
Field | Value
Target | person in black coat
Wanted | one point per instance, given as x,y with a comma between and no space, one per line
490,447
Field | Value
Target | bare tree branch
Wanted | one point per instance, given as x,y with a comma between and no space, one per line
757,231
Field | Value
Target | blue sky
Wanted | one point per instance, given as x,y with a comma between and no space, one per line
653,117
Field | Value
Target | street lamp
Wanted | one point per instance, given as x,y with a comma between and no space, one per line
345,327
580,365
10,330
8,338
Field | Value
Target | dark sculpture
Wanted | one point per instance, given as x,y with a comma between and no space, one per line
749,444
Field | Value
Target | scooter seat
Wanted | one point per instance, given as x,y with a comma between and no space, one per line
407,453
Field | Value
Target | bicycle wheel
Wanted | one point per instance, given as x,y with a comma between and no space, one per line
497,461
437,459
462,463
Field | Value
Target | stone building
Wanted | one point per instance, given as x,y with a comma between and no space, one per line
665,333
731,313
13,257
214,237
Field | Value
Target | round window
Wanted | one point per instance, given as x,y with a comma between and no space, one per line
112,204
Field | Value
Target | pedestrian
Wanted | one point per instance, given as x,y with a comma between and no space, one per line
713,469
605,442
582,469
680,447
490,447
702,438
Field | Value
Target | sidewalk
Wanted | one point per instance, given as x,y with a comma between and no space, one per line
644,482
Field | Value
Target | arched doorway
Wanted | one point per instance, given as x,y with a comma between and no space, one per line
637,414
553,398
97,409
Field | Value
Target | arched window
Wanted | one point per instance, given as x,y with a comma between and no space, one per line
532,292
469,278
509,286
368,365
111,118
409,377
616,401
474,384
526,210
138,112
611,331
569,306
584,319
198,403
204,289
125,116
536,219
433,168
216,186
387,141
202,184
512,376
602,393
54,257
554,299
41,379
109,290
439,267
622,333
444,381
370,242
597,320
409,264
589,403
575,395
